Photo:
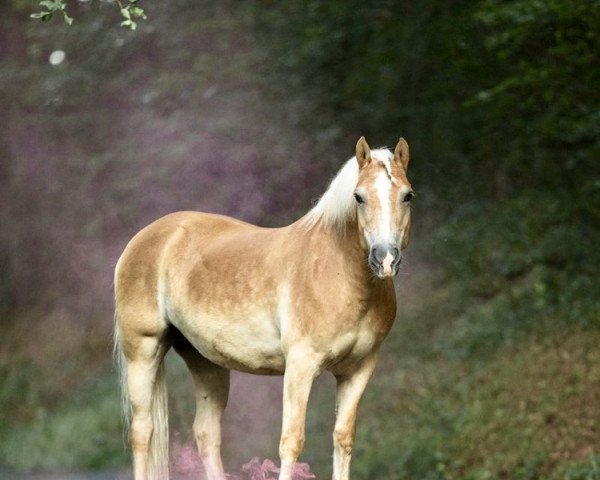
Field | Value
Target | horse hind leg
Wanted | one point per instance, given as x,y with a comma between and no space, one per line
212,390
141,357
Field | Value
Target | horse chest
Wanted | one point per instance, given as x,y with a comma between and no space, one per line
356,342
343,326
351,345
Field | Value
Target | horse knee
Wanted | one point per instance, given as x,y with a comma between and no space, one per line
290,447
344,439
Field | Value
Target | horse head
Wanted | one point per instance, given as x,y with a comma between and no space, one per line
383,196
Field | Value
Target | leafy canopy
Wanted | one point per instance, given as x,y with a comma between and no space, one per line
130,12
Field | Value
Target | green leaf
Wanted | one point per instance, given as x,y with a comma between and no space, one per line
49,4
137,12
125,13
129,24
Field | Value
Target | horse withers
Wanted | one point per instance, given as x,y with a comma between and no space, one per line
294,301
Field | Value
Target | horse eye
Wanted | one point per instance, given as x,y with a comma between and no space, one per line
358,198
408,197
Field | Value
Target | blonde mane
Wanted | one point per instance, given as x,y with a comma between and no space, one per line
337,205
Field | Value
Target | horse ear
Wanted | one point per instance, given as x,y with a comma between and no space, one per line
401,154
363,152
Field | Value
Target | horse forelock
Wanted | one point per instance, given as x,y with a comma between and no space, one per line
384,157
337,205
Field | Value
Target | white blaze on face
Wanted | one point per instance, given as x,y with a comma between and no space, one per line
387,263
383,186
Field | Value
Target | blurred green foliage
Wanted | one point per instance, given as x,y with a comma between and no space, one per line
76,430
493,95
532,264
585,471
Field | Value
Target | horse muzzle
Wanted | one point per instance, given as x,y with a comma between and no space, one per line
385,260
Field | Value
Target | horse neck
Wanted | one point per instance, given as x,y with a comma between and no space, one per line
340,240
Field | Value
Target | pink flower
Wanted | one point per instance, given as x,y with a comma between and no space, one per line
268,470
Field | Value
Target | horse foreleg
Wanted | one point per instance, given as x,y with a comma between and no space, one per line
349,392
212,389
301,369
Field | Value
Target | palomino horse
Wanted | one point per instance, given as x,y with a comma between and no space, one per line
315,295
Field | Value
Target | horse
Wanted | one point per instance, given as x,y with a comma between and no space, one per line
294,301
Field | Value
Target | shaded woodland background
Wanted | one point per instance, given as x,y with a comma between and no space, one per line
248,108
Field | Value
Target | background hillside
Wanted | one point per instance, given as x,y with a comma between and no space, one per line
248,108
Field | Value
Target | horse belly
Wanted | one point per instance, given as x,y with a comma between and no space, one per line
250,343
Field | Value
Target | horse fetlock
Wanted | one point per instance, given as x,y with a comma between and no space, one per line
344,439
207,446
290,447
141,432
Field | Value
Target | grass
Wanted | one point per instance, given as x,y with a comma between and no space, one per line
589,470
77,428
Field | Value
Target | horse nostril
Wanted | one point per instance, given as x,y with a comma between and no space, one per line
397,254
379,252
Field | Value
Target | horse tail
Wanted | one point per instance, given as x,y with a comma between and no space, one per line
158,455
119,358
